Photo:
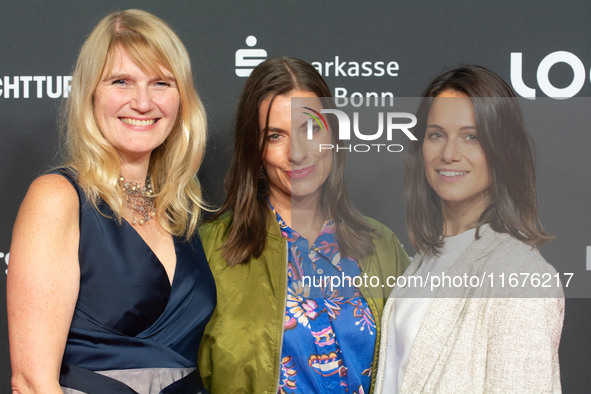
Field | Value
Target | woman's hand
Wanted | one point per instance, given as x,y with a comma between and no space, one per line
42,283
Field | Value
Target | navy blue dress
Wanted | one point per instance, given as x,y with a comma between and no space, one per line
128,316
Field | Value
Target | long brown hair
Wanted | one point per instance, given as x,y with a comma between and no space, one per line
508,148
247,185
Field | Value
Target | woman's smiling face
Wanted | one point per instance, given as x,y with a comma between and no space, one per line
295,166
135,110
455,164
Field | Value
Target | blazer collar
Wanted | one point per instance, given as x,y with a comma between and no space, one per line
479,249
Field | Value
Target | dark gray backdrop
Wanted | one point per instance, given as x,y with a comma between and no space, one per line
40,39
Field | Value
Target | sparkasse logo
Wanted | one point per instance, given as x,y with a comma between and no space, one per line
248,59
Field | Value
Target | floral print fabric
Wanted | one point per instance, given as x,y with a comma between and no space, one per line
329,331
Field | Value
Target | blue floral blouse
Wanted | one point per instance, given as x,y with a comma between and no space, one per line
329,331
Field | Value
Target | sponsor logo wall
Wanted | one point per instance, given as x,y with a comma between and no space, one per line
366,52
543,75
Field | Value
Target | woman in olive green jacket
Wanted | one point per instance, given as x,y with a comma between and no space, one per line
272,330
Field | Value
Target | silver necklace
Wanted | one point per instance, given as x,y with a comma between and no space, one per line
139,199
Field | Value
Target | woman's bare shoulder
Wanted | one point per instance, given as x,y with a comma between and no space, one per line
52,192
50,208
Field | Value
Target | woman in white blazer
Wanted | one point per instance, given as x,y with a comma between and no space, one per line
482,321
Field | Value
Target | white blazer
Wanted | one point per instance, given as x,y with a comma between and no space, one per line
487,339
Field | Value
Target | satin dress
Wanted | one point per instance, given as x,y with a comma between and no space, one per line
132,332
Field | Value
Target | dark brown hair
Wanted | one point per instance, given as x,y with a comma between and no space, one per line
247,185
508,149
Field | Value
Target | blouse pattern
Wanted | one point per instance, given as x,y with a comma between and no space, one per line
329,329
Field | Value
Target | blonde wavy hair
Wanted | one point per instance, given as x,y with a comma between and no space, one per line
173,166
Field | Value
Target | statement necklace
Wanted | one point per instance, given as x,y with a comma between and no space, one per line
138,199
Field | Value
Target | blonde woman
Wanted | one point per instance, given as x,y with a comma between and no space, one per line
108,288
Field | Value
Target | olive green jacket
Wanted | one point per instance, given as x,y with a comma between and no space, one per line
241,347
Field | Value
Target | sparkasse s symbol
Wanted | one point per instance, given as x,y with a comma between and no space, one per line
248,59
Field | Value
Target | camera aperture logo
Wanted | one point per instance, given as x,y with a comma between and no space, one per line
393,122
315,116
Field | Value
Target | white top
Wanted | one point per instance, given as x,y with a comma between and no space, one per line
412,304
